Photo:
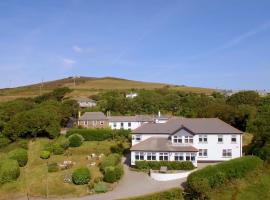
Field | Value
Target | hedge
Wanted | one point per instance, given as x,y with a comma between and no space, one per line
110,161
45,154
199,183
98,134
75,140
100,187
54,148
20,155
9,171
81,176
171,165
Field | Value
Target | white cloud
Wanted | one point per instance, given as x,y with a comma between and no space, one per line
77,49
67,62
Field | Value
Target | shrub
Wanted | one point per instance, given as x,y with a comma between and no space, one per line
20,155
75,140
111,160
63,142
119,171
118,148
100,187
81,176
53,167
201,181
109,175
57,149
45,154
4,141
9,171
171,165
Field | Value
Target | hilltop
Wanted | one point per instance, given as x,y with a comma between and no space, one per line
85,86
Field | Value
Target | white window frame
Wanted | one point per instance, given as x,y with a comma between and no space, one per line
203,153
129,124
138,138
188,139
220,137
101,122
151,155
140,155
226,153
177,139
179,157
203,138
121,124
233,137
164,155
114,124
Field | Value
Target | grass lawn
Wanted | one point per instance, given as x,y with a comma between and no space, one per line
256,186
34,175
171,194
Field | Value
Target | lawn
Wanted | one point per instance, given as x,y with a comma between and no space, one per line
34,176
256,186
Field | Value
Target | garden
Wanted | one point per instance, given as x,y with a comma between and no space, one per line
62,167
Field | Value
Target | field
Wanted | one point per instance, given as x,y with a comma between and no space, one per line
34,176
85,86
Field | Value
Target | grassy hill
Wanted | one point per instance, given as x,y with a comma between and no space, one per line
85,86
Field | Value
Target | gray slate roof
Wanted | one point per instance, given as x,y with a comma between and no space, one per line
195,125
161,144
136,118
91,116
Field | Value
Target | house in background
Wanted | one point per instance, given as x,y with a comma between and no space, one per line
93,120
129,122
131,95
85,102
181,139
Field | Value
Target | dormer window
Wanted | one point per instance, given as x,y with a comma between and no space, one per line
189,139
177,139
137,138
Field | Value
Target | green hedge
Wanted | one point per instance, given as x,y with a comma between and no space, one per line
99,134
54,148
171,165
81,176
75,140
9,170
20,155
45,154
113,174
110,161
199,183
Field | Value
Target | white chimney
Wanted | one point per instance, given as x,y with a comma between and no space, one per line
159,114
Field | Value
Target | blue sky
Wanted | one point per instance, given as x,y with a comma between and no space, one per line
217,44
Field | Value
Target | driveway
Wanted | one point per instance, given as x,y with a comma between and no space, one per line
133,184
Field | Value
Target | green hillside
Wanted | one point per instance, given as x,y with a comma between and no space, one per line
85,86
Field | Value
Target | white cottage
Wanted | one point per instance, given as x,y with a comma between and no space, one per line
180,139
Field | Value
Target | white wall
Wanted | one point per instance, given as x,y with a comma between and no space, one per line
169,176
215,148
133,126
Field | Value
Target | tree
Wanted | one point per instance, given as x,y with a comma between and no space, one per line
57,94
244,97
